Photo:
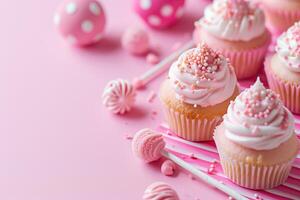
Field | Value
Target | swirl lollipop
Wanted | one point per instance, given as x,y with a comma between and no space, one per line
149,145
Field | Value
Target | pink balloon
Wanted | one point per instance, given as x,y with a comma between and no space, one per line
159,13
80,22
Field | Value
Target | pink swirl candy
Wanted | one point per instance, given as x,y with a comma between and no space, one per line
148,145
160,191
119,96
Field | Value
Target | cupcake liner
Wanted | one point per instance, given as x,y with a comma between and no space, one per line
289,92
255,176
287,17
247,63
191,129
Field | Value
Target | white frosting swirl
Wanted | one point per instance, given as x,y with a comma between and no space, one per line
288,47
202,77
258,120
234,20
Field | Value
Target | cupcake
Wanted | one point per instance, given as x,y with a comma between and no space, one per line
283,68
281,14
196,95
256,141
237,29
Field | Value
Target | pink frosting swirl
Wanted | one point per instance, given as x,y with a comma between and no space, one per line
258,120
202,77
234,20
160,191
148,145
288,47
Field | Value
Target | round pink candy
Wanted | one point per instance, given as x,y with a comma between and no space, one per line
135,40
168,168
159,13
80,22
148,144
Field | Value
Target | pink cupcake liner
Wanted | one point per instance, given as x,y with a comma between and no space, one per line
289,18
191,129
289,92
254,176
247,63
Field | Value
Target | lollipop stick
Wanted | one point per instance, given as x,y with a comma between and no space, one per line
163,65
203,176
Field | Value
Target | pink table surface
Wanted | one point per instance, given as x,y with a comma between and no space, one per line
57,141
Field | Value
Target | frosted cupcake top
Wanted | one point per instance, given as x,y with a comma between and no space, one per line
234,20
258,120
202,76
288,47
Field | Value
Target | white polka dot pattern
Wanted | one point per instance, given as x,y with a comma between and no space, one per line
71,8
56,19
154,20
94,8
145,4
166,10
87,26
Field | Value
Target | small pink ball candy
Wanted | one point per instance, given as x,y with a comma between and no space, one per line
148,145
80,22
168,168
135,40
159,13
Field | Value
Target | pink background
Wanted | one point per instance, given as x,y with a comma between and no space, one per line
57,140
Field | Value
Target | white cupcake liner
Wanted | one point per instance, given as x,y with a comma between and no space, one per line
255,176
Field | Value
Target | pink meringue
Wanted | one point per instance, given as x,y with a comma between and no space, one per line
148,144
160,191
168,168
119,96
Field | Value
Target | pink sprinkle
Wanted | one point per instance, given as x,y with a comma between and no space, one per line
192,156
230,198
128,137
152,59
151,96
210,170
154,113
191,176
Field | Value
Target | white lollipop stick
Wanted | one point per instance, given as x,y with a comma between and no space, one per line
206,178
161,67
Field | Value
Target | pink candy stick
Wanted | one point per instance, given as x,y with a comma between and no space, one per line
203,176
161,67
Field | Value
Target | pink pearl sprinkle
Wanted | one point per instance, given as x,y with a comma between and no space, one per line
168,168
210,170
152,59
